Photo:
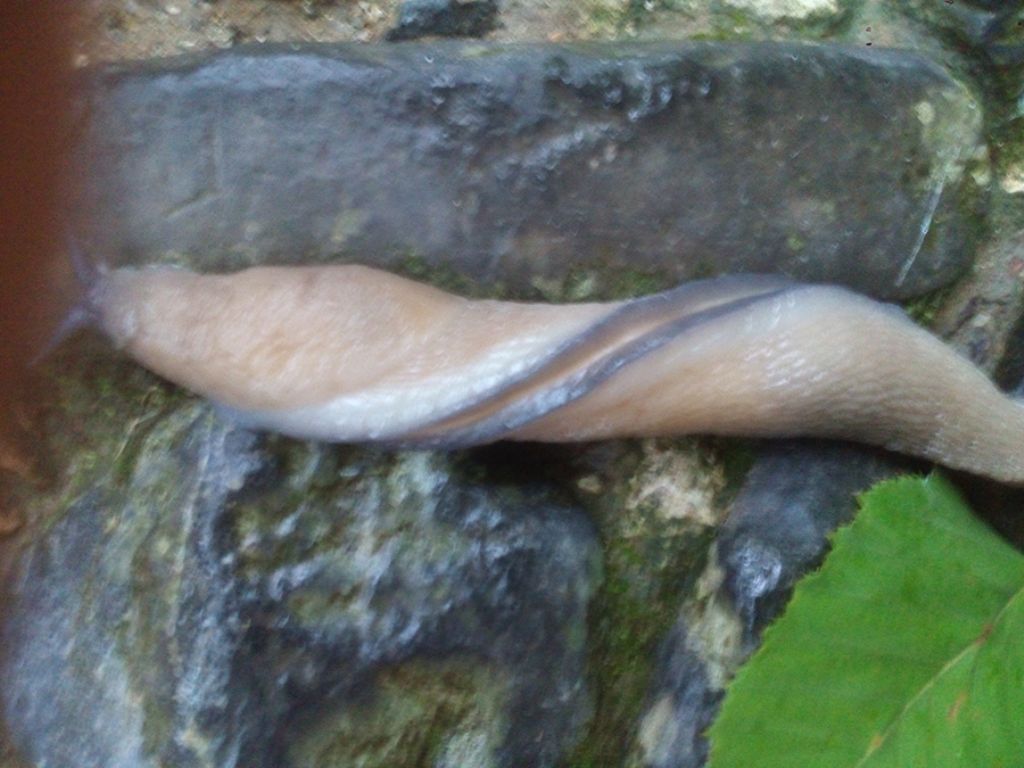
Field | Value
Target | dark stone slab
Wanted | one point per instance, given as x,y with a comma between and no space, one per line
444,18
518,163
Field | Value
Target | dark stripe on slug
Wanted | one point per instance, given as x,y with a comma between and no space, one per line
686,299
513,407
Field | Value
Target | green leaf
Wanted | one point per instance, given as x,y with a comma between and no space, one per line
905,649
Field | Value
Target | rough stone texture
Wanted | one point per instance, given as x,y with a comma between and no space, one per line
991,32
444,18
979,23
984,318
681,707
120,628
656,506
1006,43
196,596
1006,53
118,30
980,317
517,164
795,495
775,10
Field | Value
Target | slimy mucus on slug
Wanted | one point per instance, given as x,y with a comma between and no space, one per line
353,354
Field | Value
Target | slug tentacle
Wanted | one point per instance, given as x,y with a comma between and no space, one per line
352,354
87,309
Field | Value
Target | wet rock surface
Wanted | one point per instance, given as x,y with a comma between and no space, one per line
796,494
513,164
222,600
444,18
680,708
126,601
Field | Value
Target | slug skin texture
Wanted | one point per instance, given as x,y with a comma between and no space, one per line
353,354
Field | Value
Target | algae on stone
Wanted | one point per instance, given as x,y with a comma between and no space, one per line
655,514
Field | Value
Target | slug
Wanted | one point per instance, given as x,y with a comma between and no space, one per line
353,354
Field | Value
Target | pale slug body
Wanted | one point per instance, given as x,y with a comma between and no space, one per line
352,354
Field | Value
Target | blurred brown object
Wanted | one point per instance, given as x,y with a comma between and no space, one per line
34,80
